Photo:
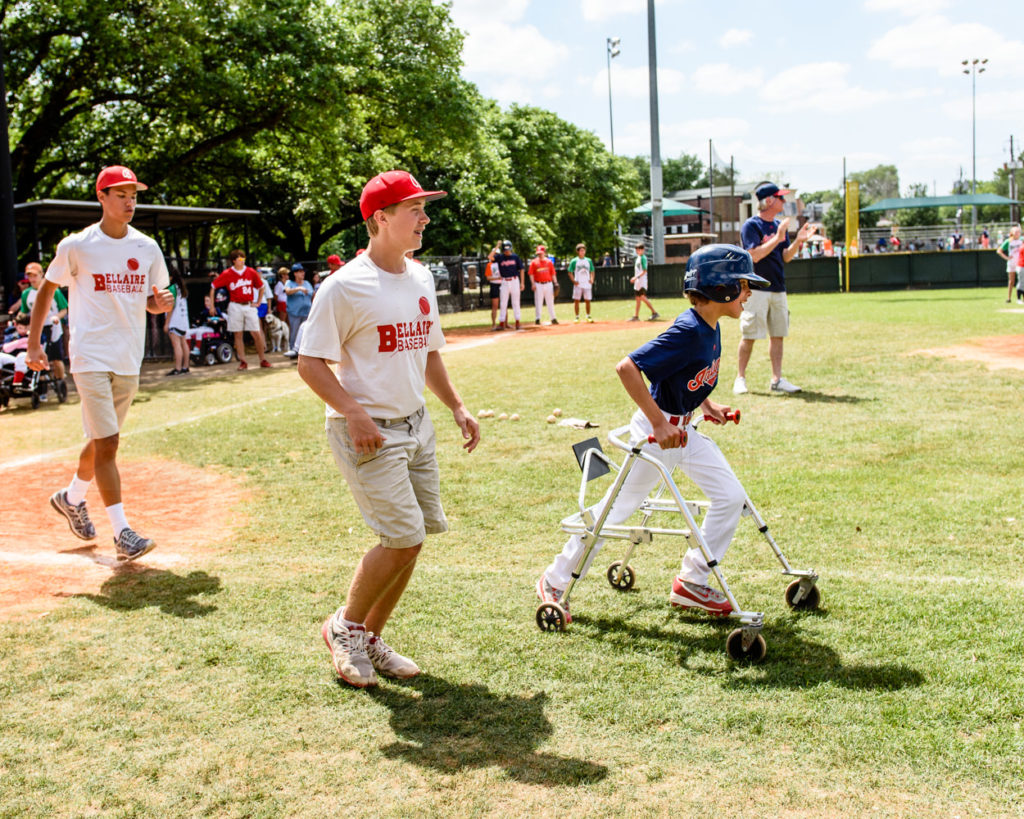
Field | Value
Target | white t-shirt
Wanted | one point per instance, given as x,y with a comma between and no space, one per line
582,268
56,329
108,283
378,328
640,272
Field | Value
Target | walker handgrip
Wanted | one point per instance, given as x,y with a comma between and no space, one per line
733,415
684,439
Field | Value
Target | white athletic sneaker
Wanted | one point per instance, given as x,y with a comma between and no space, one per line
387,661
348,653
739,386
782,385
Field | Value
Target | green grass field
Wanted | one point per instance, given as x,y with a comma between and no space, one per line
207,691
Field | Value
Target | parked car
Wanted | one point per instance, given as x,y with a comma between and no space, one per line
442,281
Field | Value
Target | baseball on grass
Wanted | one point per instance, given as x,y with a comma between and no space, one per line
551,419
482,414
556,412
514,416
503,416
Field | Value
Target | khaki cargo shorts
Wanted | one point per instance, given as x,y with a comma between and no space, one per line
397,490
242,317
765,314
105,399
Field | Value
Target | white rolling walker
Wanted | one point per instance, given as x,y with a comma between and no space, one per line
745,642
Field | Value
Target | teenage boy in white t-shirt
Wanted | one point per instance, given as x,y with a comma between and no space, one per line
639,281
378,323
115,275
581,273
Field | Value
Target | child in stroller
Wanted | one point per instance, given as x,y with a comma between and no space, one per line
209,341
16,381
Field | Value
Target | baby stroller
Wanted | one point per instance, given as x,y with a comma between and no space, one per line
745,642
209,342
32,384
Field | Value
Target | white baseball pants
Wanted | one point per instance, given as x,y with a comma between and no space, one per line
544,293
705,465
509,290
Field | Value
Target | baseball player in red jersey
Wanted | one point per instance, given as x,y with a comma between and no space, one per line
243,284
115,275
542,277
379,324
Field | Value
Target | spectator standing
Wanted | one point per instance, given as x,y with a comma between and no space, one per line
581,273
299,293
606,260
766,312
53,334
280,298
513,283
243,284
1008,251
542,276
115,275
494,284
379,323
639,281
15,306
176,324
334,264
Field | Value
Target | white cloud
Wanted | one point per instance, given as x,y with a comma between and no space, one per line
990,105
633,83
482,55
595,11
735,37
469,14
937,43
908,8
722,78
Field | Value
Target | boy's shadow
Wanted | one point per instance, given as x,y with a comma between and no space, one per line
136,587
448,727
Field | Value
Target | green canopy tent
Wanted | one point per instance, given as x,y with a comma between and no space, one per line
963,200
669,207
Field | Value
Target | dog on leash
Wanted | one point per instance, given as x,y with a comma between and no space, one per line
277,333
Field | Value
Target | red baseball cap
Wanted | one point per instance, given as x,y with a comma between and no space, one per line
390,188
117,175
541,249
334,258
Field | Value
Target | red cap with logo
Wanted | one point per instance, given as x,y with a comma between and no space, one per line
117,175
334,258
541,249
390,188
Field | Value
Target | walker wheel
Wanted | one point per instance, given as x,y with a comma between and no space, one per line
734,645
621,577
35,400
807,602
550,617
62,391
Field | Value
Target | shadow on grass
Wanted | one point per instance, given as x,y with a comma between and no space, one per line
792,661
138,588
811,397
449,727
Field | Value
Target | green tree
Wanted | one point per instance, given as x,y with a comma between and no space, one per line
881,182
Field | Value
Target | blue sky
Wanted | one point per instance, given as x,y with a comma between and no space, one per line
786,90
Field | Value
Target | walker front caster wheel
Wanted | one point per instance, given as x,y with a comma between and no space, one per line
753,653
621,577
551,617
803,600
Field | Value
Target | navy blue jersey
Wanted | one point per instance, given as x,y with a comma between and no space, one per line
682,363
508,266
753,234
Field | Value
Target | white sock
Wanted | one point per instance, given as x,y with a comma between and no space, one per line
117,519
349,624
76,490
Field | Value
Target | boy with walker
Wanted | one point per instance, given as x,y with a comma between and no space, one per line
682,366
379,324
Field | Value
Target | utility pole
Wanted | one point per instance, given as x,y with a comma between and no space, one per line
8,238
657,212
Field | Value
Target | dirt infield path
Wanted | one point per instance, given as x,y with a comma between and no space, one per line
995,352
42,562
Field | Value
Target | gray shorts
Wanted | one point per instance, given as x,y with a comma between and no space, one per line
398,489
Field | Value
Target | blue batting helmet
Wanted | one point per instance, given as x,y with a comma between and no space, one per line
715,272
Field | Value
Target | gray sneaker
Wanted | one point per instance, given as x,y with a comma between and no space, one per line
348,653
131,545
654,317
78,516
782,385
387,661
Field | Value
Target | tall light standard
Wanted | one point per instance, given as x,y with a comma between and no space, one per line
612,44
977,66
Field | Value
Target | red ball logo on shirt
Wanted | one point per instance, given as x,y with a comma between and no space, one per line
133,264
424,306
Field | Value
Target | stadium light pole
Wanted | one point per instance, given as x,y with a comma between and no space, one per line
657,214
977,66
613,51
